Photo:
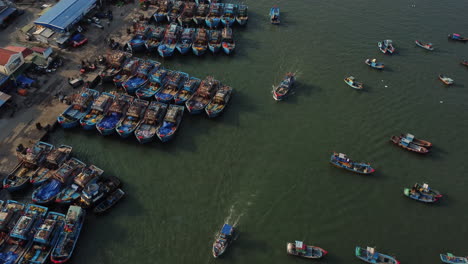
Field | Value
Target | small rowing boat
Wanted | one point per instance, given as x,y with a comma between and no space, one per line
132,118
190,86
283,89
275,15
214,16
109,202
457,37
446,80
229,15
214,40
53,161
451,259
78,109
202,97
242,15
227,41
152,120
116,112
186,40
407,144
351,81
386,46
374,64
369,255
139,79
170,123
302,250
426,46
200,44
340,160
419,142
174,82
98,111
219,102
129,68
422,193
223,240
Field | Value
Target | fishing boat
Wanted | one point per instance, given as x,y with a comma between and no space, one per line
446,80
110,201
386,46
302,250
426,46
451,259
201,13
188,14
98,111
242,15
186,40
351,81
282,90
78,109
214,40
132,118
114,62
162,11
152,120
340,160
140,78
202,97
457,37
157,75
419,142
155,38
44,239
175,11
275,15
48,191
223,240
200,44
94,192
219,102
214,15
464,63
73,192
108,74
374,64
138,41
229,15
66,243
174,82
36,154
170,123
369,255
190,86
9,215
408,144
153,86
116,112
53,161
166,49
422,193
227,41
129,68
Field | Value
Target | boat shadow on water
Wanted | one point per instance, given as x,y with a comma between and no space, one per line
300,90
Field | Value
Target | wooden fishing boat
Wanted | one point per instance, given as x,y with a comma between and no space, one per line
386,46
73,192
114,62
116,112
155,82
11,212
457,37
283,89
98,111
340,160
407,144
229,15
214,15
422,193
200,44
214,40
152,120
162,10
158,75
132,118
275,15
139,79
451,259
219,102
79,108
202,97
374,64
129,68
201,13
170,123
446,80
426,46
44,239
53,161
155,38
174,82
186,40
94,192
188,14
167,47
175,11
109,202
369,255
351,81
223,240
66,243
419,142
190,86
242,15
137,43
302,250
227,41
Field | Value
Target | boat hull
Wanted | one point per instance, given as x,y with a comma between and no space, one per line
165,52
198,52
183,50
67,124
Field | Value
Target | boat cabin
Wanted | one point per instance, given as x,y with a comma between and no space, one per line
57,156
410,137
405,142
22,228
102,103
84,177
172,115
226,230
45,230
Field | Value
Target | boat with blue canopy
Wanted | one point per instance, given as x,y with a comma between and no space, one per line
200,44
219,101
284,88
152,120
73,192
116,112
98,111
171,37
140,78
451,259
109,202
162,10
386,46
132,118
214,15
186,40
190,86
214,40
422,193
79,108
203,95
275,15
302,250
175,11
187,15
374,64
408,144
229,14
170,123
223,240
174,82
155,37
53,161
128,69
227,41
340,160
457,37
242,15
369,255
138,41
157,75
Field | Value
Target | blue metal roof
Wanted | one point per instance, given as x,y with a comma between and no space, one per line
227,229
65,13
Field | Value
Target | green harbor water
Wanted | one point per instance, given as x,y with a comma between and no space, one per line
263,166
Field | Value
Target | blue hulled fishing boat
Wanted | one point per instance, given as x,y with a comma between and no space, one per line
340,160
53,161
190,86
451,259
132,118
11,212
175,11
186,40
95,191
386,46
73,192
140,78
351,81
275,15
170,123
374,64
369,255
63,250
188,14
152,120
138,42
457,37
223,240
200,44
174,82
214,40
166,49
98,111
78,109
202,97
129,68
422,193
242,15
107,125
282,90
229,15
155,38
219,102
201,13
214,15
162,10
227,41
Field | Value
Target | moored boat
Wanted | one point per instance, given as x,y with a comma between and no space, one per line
219,102
201,13
419,142
283,89
9,215
214,15
340,160
116,112
73,192
202,97
110,201
214,40
188,14
445,79
174,82
138,42
190,86
227,41
229,14
53,161
186,40
152,120
426,46
422,193
386,46
223,240
162,10
369,255
155,38
155,81
140,78
167,47
457,37
114,62
407,144
351,81
132,118
300,249
129,68
79,108
451,259
200,44
242,15
465,62
94,192
170,123
175,11
98,110
275,15
374,64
